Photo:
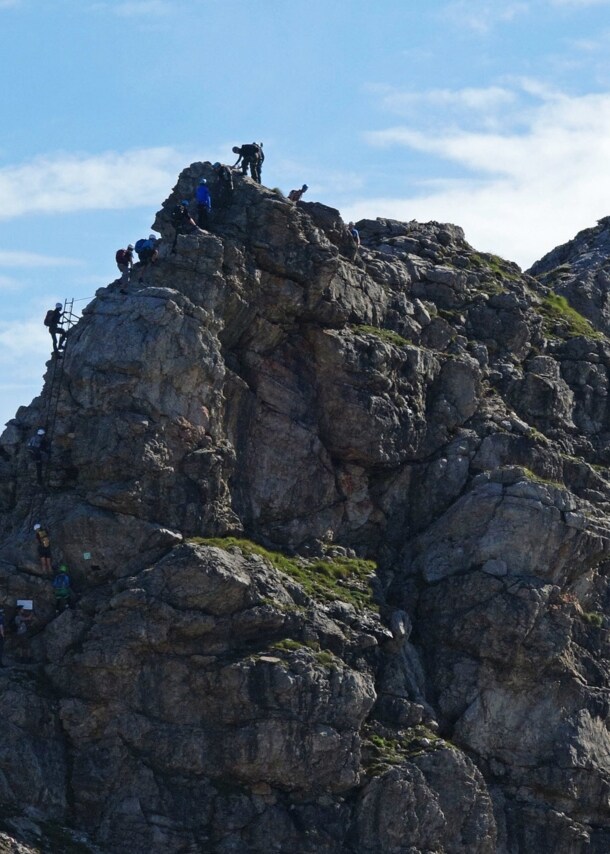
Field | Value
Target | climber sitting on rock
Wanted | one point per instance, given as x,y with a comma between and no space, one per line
182,221
295,195
62,589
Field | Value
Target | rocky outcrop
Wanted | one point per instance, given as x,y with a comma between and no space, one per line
339,526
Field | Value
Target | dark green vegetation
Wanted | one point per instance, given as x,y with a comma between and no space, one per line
324,579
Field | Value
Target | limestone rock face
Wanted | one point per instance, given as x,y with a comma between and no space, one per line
338,524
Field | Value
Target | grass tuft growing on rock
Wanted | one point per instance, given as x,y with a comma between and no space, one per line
387,335
561,320
381,752
324,579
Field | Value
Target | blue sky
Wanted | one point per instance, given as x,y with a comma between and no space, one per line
492,115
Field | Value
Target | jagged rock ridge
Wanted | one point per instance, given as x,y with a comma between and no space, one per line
417,404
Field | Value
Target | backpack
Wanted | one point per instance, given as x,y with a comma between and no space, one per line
122,256
48,318
179,214
141,244
61,581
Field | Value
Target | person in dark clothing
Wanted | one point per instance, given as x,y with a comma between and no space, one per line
250,155
223,186
38,447
54,320
182,221
354,233
147,252
204,204
1,637
62,589
124,261
43,542
295,195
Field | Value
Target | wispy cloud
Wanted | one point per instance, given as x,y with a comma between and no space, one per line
525,189
482,15
136,8
482,100
70,182
32,259
579,3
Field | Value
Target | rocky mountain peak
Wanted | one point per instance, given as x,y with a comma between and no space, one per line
337,524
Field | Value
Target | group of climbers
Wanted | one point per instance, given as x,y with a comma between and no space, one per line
22,622
209,200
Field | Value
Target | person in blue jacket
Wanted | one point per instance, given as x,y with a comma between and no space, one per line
204,204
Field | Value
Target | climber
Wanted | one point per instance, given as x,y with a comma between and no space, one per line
182,221
251,155
43,541
62,589
204,204
21,623
124,261
147,252
354,233
52,320
295,195
1,636
223,188
38,446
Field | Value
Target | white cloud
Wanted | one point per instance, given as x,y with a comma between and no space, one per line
482,15
579,3
470,98
24,347
136,8
528,190
32,259
70,182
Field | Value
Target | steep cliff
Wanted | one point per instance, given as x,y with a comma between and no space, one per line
339,525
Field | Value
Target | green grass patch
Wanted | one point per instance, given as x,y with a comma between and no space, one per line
322,656
593,618
387,335
563,321
382,752
324,579
497,266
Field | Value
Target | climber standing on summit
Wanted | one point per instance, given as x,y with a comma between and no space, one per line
251,155
204,204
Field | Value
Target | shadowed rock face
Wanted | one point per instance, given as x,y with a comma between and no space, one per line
417,404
